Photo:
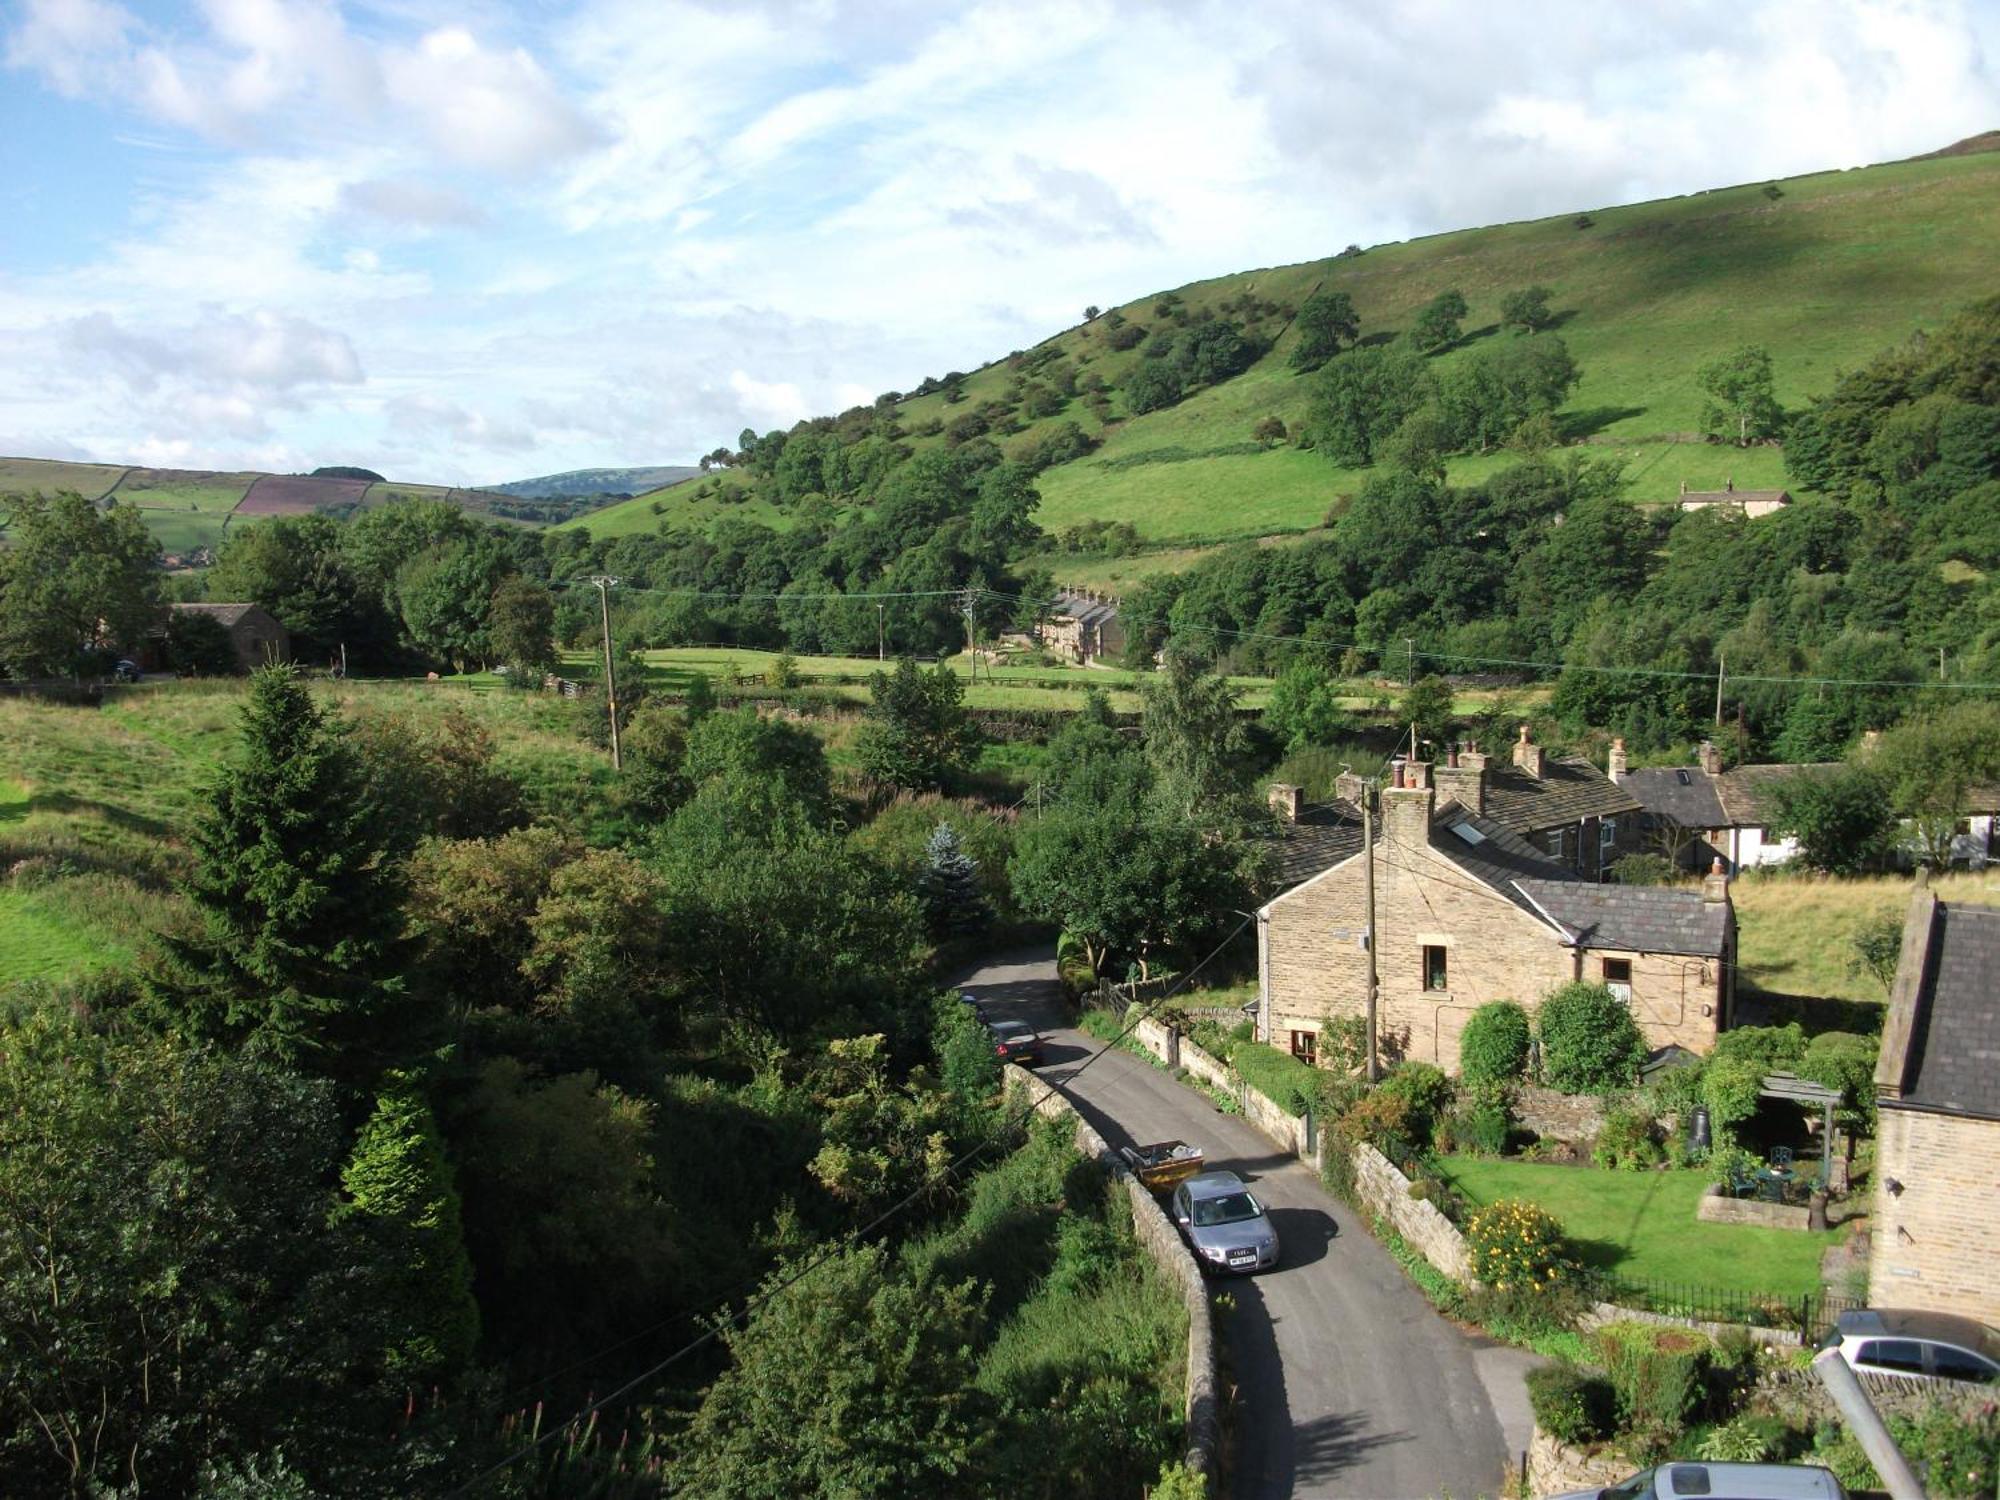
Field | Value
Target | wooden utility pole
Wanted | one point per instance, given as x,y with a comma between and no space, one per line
1721,671
610,675
881,648
1409,663
1368,931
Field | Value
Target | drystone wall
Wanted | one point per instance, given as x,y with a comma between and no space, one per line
1575,1118
1162,1243
1384,1192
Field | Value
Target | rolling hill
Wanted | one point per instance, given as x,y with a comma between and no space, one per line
191,509
634,481
1824,270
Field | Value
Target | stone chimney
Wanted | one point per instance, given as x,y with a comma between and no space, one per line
1711,759
1406,806
1351,787
1287,801
1615,767
1462,779
1528,755
1715,884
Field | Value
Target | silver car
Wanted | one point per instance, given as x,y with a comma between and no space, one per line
1721,1482
1225,1225
1934,1345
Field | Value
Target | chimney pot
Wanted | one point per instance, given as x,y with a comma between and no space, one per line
1528,755
1407,805
1715,885
1615,764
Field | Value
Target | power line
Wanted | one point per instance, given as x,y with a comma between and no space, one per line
951,1171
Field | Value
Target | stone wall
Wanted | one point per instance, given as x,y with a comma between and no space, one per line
1286,1129
1601,1313
1801,1396
1933,1240
1384,1192
1557,1469
1163,1245
1717,1207
1576,1118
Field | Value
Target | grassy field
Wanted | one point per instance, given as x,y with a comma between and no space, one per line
42,476
677,508
96,802
1795,931
1642,1225
181,490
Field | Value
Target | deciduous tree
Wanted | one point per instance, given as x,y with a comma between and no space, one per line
1326,324
73,578
917,734
1741,404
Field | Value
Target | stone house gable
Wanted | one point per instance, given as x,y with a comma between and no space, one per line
1458,924
1937,1092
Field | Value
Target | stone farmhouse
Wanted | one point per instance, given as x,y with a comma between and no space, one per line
1083,626
1937,1095
257,638
1467,911
1702,813
1753,503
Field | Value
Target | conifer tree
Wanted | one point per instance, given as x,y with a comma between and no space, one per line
297,907
950,884
398,1184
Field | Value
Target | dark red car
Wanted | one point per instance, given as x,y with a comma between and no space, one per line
1016,1041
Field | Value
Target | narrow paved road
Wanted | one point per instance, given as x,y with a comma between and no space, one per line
1350,1384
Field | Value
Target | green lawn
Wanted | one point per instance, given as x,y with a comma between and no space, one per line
44,476
1642,1225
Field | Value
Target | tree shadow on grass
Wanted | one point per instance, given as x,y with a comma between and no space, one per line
64,802
1592,420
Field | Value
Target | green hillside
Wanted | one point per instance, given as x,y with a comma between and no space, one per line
1825,273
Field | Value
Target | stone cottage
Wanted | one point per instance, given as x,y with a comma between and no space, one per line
1083,626
256,637
1937,1096
1468,912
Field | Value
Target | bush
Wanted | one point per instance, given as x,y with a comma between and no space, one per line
1493,1048
1426,1092
1482,1129
1656,1374
1644,869
1280,1077
1518,1247
1570,1406
1590,1043
1730,1087
1627,1143
1959,1451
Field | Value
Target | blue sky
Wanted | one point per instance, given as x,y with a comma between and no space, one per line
472,242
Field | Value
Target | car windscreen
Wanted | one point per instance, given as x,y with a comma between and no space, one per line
1013,1031
1230,1208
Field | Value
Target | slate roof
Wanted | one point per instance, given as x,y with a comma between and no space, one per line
225,614
1569,790
1497,857
1746,792
1325,834
1955,1051
1636,918
1085,611
1733,497
1682,794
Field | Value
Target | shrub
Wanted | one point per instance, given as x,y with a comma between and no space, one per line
1277,1075
1959,1451
1627,1143
1569,1406
1730,1086
1483,1129
1656,1375
1517,1247
1426,1092
1590,1043
1644,869
1493,1048
1741,1440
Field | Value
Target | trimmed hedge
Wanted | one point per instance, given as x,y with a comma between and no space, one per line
1278,1076
1570,1406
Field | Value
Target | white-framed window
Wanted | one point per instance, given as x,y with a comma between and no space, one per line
1617,975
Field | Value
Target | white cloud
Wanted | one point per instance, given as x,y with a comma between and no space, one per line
695,216
407,201
775,403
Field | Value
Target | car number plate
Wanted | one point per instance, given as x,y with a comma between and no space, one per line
1238,1256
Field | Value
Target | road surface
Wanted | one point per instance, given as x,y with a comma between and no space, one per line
1349,1383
